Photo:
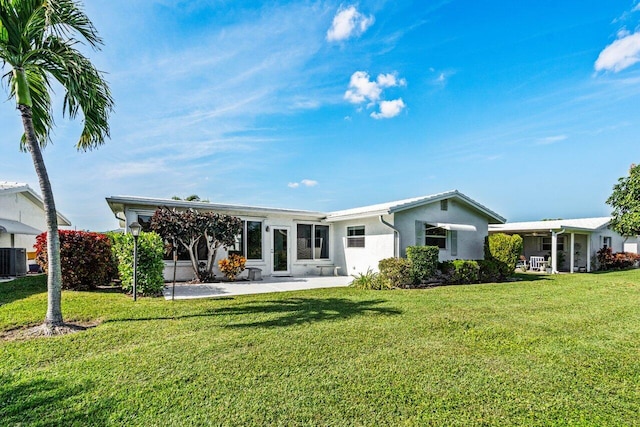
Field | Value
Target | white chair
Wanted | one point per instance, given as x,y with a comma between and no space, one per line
536,262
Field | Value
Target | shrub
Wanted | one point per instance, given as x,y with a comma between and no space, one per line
489,270
397,271
424,262
370,280
504,250
232,266
150,266
608,260
461,271
85,259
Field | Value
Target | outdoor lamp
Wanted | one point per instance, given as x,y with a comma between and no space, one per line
135,228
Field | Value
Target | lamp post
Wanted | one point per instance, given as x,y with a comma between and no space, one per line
135,228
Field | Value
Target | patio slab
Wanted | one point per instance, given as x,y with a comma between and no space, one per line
268,284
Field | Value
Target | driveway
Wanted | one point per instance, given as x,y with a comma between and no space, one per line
266,285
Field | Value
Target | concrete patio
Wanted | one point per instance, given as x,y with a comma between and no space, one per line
266,285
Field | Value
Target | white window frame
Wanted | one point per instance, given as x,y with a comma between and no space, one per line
313,240
244,249
352,239
429,228
560,244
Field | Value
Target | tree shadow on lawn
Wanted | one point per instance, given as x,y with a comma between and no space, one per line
288,312
31,402
22,287
528,277
304,310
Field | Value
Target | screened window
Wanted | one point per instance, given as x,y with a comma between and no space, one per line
444,205
606,242
313,241
435,236
355,236
249,241
546,243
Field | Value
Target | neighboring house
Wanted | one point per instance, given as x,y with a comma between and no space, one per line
22,216
295,242
575,242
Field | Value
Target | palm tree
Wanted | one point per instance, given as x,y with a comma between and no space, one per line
38,40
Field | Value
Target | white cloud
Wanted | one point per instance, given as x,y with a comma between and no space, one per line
636,8
551,139
390,80
347,23
620,54
389,109
304,182
362,89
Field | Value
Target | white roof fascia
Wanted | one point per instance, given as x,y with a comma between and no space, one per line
579,224
12,188
117,203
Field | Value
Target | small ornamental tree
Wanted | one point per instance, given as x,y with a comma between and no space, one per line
191,227
625,201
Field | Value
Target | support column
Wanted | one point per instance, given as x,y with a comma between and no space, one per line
588,253
573,252
554,252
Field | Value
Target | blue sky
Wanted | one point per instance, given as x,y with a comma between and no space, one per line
528,107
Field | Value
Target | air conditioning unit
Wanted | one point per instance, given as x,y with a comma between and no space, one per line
13,261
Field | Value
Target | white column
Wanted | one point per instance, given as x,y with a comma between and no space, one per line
554,252
588,253
573,251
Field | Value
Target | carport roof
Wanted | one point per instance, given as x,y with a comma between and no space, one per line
579,224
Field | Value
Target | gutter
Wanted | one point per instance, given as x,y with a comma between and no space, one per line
396,237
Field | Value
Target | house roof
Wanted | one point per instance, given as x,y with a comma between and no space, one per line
401,205
581,224
117,203
11,187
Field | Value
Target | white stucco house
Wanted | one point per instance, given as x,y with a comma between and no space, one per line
578,241
289,242
22,217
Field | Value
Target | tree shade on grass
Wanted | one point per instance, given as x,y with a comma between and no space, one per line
554,350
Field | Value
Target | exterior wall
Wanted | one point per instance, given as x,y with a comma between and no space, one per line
296,268
378,244
470,243
17,207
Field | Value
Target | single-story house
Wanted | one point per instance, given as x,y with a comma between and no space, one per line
285,242
572,244
22,218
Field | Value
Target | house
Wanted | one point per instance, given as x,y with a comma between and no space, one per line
22,217
572,244
284,242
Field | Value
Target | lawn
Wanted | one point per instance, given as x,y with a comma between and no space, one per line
548,350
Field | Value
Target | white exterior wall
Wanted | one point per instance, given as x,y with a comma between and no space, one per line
18,207
297,268
470,243
378,244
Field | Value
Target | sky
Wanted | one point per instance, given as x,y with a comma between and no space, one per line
528,107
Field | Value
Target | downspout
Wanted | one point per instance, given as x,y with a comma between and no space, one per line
396,237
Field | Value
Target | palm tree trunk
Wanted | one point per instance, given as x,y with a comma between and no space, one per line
54,274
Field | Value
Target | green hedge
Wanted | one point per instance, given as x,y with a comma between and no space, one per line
150,265
396,271
505,251
460,272
489,271
424,262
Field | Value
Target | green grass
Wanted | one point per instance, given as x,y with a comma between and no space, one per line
561,350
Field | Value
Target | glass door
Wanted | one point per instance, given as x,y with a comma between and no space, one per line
280,251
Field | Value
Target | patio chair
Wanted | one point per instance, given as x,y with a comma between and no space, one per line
522,263
536,262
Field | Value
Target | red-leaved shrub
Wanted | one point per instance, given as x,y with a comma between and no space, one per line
85,259
616,261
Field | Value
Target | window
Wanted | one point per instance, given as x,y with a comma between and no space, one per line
546,243
313,241
249,241
435,236
355,236
444,205
606,242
